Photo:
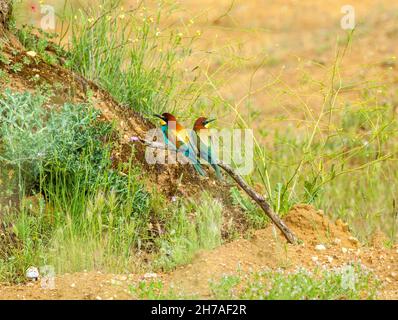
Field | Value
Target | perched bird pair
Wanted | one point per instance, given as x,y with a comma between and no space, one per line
190,144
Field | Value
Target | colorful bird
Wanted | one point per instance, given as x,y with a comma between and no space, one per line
176,136
205,149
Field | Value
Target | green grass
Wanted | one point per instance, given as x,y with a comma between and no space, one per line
61,160
156,290
256,217
75,209
42,43
340,157
349,282
191,228
131,55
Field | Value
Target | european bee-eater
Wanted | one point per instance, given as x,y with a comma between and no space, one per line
204,146
177,137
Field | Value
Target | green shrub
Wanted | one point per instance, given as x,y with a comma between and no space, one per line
63,158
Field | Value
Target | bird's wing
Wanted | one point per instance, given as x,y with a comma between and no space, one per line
208,154
167,141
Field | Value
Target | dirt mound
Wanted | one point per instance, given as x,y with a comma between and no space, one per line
313,227
322,243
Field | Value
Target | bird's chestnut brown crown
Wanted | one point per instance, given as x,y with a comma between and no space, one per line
201,123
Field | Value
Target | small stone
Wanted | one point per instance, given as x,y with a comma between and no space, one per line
314,258
31,54
337,241
353,240
98,298
73,285
394,275
150,275
320,212
320,247
330,259
344,250
116,282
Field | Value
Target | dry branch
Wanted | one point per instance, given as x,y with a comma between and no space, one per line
259,199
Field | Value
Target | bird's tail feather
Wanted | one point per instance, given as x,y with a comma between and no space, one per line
199,169
191,155
217,170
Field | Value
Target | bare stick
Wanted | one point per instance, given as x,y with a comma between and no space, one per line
259,199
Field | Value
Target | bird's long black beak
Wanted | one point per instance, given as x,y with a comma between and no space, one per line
209,120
